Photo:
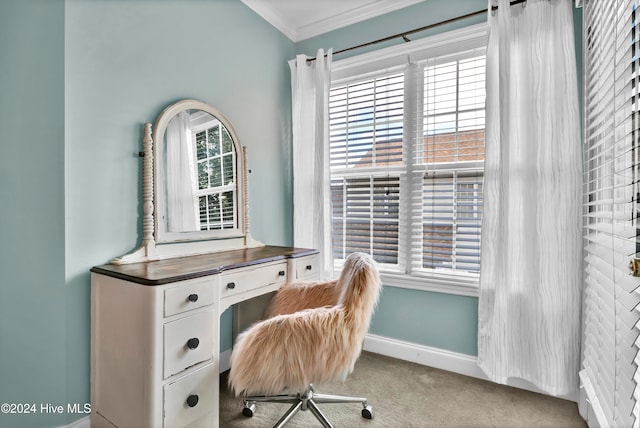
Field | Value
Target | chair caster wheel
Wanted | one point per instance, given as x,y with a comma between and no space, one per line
367,412
249,409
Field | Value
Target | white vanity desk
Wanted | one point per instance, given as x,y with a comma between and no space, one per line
155,312
155,331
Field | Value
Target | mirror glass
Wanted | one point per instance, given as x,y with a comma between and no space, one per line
198,193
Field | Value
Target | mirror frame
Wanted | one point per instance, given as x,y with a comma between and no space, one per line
157,243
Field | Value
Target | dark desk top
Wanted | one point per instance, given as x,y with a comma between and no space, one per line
180,268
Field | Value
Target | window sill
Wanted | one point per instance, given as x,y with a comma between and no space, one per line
436,283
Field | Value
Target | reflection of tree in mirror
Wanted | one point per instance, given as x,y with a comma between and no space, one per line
213,139
227,144
215,172
215,168
201,145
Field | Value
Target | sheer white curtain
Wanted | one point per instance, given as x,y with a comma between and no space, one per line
181,202
530,280
310,84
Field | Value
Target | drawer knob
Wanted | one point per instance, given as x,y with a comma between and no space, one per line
193,297
309,267
192,400
231,285
281,273
193,343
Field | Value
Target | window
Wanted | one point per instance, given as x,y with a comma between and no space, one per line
215,163
450,155
406,159
366,162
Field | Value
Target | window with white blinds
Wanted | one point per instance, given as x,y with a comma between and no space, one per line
406,153
609,372
366,131
449,155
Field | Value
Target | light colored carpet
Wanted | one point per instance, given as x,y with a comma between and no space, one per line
405,394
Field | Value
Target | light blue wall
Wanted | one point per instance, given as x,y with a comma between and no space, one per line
32,223
127,60
433,319
437,320
78,79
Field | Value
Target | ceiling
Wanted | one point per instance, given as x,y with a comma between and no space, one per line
302,19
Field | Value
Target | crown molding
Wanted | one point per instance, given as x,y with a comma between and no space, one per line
350,17
272,16
376,8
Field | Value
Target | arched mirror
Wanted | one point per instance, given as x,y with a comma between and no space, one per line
195,185
198,180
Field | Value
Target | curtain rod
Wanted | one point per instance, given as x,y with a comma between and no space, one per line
417,30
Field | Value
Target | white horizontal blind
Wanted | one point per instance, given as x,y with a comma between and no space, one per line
448,155
366,155
366,217
610,348
452,213
366,123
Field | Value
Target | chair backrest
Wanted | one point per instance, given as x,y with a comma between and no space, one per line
290,351
297,296
360,285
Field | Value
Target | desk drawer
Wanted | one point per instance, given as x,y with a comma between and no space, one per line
188,341
188,295
190,398
251,279
307,268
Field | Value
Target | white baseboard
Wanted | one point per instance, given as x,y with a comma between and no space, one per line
225,360
424,355
439,358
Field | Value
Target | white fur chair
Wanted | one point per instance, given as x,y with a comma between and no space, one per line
314,335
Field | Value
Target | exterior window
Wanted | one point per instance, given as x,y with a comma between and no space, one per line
452,160
366,132
407,161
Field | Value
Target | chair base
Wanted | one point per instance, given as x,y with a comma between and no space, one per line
307,400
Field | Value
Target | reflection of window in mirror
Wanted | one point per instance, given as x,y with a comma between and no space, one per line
215,165
201,171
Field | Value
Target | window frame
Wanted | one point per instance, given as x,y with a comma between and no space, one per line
402,58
